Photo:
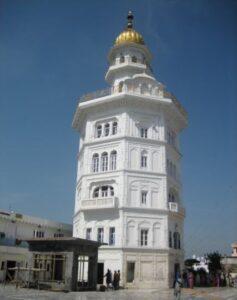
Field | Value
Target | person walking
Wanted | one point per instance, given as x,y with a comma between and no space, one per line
185,279
118,278
108,276
177,287
115,281
190,280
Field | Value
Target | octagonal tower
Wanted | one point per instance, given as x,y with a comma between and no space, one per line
128,191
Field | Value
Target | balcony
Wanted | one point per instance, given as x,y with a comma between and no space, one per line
175,207
98,203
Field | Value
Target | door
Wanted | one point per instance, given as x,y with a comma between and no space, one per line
130,271
100,273
10,273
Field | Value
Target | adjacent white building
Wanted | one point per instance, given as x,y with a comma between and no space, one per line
128,191
14,229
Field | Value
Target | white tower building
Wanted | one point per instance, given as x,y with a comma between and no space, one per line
128,191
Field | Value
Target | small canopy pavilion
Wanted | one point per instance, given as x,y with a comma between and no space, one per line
67,263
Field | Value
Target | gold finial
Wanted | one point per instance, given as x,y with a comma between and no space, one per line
130,19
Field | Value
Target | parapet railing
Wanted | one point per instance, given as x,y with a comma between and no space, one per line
97,203
133,90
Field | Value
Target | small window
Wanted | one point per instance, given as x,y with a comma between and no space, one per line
120,86
170,239
100,235
143,133
143,159
121,59
104,191
175,240
113,160
48,267
144,237
104,162
111,191
179,241
144,197
106,129
134,59
95,163
58,234
115,128
96,193
2,235
171,197
171,137
98,131
38,234
112,236
88,233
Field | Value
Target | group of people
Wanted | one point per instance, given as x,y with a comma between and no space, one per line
188,280
220,279
112,282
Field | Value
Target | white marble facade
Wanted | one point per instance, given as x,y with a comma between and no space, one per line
128,191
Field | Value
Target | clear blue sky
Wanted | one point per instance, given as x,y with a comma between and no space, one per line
54,51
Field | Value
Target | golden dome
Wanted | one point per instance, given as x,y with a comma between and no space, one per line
129,35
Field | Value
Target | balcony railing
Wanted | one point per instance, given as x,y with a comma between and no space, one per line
99,203
135,90
96,94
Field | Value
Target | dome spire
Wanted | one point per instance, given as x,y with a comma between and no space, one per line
130,20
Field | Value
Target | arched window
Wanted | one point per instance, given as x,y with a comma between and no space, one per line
178,242
144,88
111,191
172,197
96,192
170,239
104,162
95,162
120,86
144,159
113,160
143,132
106,129
98,131
175,240
134,59
121,59
104,191
114,128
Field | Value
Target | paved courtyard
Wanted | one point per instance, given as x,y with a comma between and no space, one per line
10,292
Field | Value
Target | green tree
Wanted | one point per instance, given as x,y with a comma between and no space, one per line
214,262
